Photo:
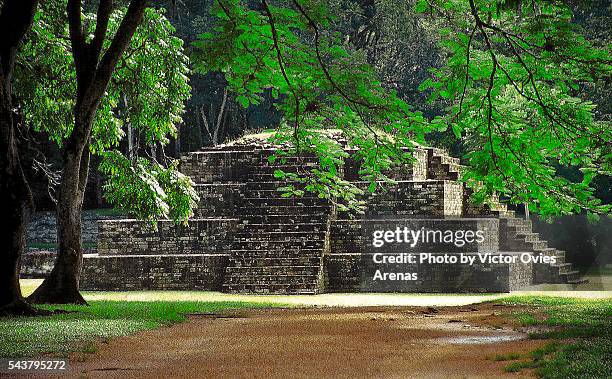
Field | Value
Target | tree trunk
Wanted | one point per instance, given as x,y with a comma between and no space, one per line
15,207
16,204
62,285
94,70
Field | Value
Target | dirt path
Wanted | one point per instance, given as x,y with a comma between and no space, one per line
328,342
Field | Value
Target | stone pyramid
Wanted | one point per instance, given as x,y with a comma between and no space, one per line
247,238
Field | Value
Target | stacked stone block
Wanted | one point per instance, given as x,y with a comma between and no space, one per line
247,237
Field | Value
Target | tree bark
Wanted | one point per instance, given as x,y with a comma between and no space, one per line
62,284
15,20
94,71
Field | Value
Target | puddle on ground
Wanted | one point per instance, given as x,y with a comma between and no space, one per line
480,340
214,315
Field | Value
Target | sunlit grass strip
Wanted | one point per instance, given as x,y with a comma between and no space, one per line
82,326
582,334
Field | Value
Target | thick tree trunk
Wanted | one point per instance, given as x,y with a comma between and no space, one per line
62,284
15,208
94,71
16,200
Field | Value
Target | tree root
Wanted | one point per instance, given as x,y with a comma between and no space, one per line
21,307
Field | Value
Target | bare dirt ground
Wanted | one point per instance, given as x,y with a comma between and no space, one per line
389,342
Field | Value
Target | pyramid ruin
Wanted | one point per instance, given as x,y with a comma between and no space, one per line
246,237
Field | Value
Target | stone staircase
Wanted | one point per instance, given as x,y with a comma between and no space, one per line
520,237
281,244
517,233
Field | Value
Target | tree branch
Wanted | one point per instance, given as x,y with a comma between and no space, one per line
105,9
75,26
122,38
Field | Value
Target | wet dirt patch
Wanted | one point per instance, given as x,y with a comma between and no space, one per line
480,340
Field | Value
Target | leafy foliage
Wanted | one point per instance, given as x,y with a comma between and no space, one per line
328,95
150,190
511,78
513,72
146,93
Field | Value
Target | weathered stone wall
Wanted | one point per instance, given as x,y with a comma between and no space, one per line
344,274
218,200
134,237
453,199
416,170
219,166
154,272
471,209
430,198
520,275
351,256
37,263
419,165
355,236
42,227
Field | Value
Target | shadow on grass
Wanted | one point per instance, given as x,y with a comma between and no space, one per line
582,334
77,327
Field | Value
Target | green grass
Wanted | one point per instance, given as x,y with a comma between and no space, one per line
581,330
83,326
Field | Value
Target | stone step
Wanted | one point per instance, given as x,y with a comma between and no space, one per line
289,219
296,167
520,229
519,244
260,271
283,201
438,170
285,228
269,184
278,245
569,276
446,159
255,177
528,237
241,254
519,222
282,235
233,277
562,267
277,193
548,251
538,244
277,289
247,211
280,261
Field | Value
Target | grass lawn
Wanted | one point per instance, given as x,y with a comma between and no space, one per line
82,326
582,334
105,317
